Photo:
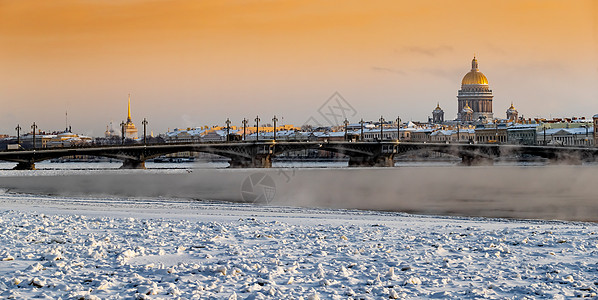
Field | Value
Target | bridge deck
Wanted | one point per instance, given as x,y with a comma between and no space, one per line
259,154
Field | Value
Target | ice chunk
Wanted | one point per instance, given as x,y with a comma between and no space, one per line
413,280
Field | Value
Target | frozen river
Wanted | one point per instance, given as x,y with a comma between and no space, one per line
510,191
163,248
192,232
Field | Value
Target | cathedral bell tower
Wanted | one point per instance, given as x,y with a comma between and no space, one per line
512,113
438,115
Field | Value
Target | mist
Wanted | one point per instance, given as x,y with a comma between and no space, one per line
543,192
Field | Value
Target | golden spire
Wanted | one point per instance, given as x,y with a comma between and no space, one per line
474,64
512,107
129,113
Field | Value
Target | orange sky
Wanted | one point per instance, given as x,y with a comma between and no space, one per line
194,63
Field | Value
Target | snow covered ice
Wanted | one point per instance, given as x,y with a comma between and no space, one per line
147,248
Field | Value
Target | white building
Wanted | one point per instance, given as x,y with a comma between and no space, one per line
566,136
440,136
67,139
189,135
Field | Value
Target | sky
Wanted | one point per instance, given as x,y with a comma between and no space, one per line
190,63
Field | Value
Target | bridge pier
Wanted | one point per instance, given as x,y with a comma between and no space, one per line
476,161
378,161
256,162
133,164
386,161
25,166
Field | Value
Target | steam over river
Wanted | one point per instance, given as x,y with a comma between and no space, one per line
537,192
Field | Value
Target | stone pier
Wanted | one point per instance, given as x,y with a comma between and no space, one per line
133,164
25,166
262,161
377,161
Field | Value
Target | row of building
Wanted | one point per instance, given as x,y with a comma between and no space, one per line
45,140
560,132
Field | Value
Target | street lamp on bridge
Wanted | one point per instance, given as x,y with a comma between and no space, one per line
34,128
381,128
361,135
398,128
346,122
122,131
144,131
274,120
244,127
227,129
586,140
257,128
18,129
496,131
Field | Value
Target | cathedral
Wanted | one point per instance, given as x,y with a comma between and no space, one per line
474,97
474,100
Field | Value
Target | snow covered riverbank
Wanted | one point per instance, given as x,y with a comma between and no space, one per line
111,247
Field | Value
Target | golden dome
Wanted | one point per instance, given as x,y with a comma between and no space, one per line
474,76
438,106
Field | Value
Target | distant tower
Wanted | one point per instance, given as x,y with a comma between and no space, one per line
110,131
437,115
66,121
130,129
466,113
595,119
475,91
512,114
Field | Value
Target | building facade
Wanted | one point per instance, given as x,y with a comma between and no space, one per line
422,135
579,136
444,136
522,135
496,133
476,94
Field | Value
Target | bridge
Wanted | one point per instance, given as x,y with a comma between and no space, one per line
260,154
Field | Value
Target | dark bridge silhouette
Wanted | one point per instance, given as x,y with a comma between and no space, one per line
260,154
